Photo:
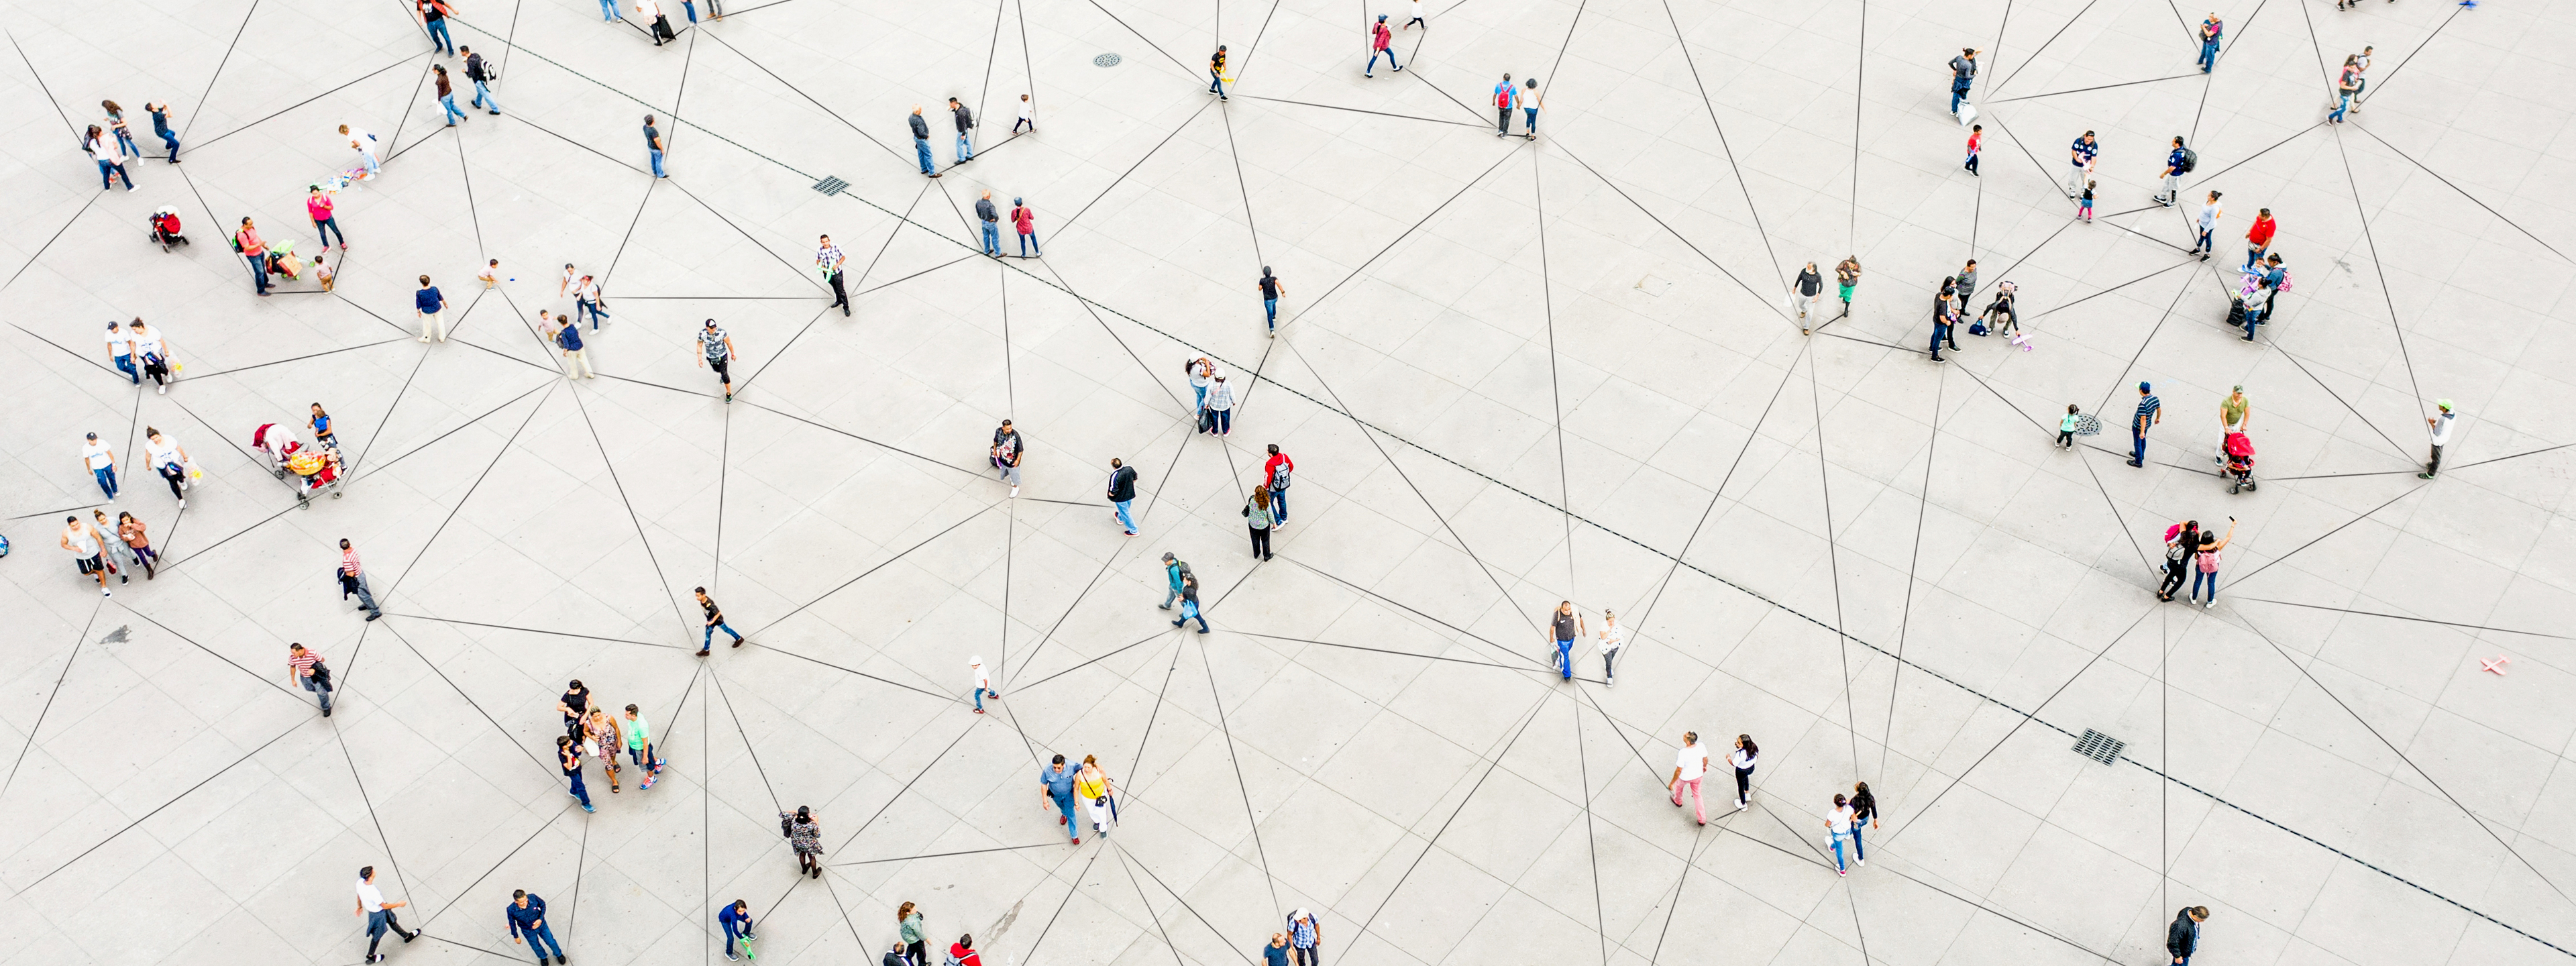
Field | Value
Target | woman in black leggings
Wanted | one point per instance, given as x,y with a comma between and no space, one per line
1742,758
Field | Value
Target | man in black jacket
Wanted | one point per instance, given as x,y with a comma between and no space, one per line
965,123
2183,937
480,72
1122,491
921,141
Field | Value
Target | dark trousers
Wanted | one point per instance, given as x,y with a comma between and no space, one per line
174,475
1261,542
2138,448
2434,467
125,364
379,923
1279,505
840,296
259,271
1502,121
1972,164
2174,573
2066,438
1744,784
328,227
1309,955
1958,93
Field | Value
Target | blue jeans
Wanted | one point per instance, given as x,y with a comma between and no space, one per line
1958,93
691,8
1123,518
1202,400
1190,612
170,141
1270,307
368,154
580,305
366,594
992,238
710,639
1375,54
1529,120
438,35
640,757
1168,598
447,105
2199,577
328,227
2138,447
1858,852
125,364
1072,828
109,171
106,476
1222,420
1565,657
657,163
737,929
979,696
921,147
965,148
2208,56
544,934
1216,85
1029,244
125,144
318,689
483,97
1279,504
2204,241
608,10
579,790
1838,849
2341,104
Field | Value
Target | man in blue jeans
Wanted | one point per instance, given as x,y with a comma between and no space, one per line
715,622
736,920
653,144
121,346
2150,412
992,220
921,141
1963,72
1270,289
102,466
433,13
1056,783
1174,570
1122,492
2210,32
527,915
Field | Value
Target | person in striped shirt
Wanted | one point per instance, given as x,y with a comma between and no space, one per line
301,670
2150,412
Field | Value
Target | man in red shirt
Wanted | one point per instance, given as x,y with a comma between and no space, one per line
2259,239
1275,475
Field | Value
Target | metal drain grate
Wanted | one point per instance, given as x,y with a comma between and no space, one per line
2099,747
831,186
1105,60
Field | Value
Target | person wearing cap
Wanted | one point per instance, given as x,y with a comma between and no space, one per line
2441,426
2233,414
2174,161
1379,36
983,683
716,352
1027,222
120,347
1304,933
1963,72
2150,412
1174,570
101,461
1216,72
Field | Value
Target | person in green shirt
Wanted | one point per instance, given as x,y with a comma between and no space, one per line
639,747
2066,427
2233,412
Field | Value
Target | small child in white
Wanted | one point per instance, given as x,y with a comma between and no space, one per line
490,274
1025,108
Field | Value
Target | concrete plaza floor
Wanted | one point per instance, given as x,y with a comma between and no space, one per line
1510,372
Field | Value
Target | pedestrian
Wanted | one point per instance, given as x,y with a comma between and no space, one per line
1304,934
1270,289
2361,65
2176,162
1028,117
168,459
322,273
2210,33
1838,825
1189,603
161,128
480,72
567,337
1027,220
715,351
962,952
1976,139
990,220
446,96
1256,514
1505,95
1864,809
111,165
2150,412
2259,238
574,705
2084,205
608,12
322,209
120,349
353,580
2183,937
2210,213
1202,373
490,274
1055,783
564,285
1006,455
379,914
1175,570
568,756
1216,72
1417,17
653,146
2181,540
804,832
1741,759
601,736
2067,425
586,298
691,7
1220,403
1099,794
965,128
1379,37
651,12
2441,426
427,304
1122,491
109,544
1944,319
639,747
1803,292
829,259
1276,470
2347,85
1967,287
101,461
2205,561
365,144
1563,627
1688,768
983,683
2269,278
921,141
304,668
736,918
2079,159
154,353
1963,73
246,241
1999,315
1847,276
2233,413
1530,103
138,542
433,17
116,126
715,622
909,926
527,915
89,551
1614,638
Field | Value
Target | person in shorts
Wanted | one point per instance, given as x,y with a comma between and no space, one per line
717,353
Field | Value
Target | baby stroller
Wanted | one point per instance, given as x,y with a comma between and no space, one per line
2240,462
282,260
315,472
165,228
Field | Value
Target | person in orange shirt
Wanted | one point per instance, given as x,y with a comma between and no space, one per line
246,241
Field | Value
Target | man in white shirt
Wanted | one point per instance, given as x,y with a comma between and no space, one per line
2441,426
1688,767
101,462
120,347
983,683
365,144
87,548
379,913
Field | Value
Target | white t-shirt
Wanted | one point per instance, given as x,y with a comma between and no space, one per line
2209,213
1025,107
362,140
84,544
163,453
1840,821
648,8
370,898
97,456
2442,428
983,678
1739,759
146,341
1613,637
1693,761
117,338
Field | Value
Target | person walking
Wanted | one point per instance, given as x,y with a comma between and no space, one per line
427,304
1379,37
1864,814
480,72
111,164
1027,222
638,735
1305,936
921,141
736,920
2269,278
2233,413
804,832
2183,937
2347,86
568,756
1220,404
116,127
983,682
100,459
379,914
1028,117
1976,140
319,207
1189,603
1505,95
2205,561
1006,455
567,337
829,259
120,350
1803,292
2067,426
2211,31
1417,20
601,736
574,704
109,544
446,95
1216,72
168,459
1091,785
1122,491
1847,278
2150,412
1175,571
1256,514
653,146
1530,103
1688,768
2360,66
246,241
88,549
1055,783
1614,639
965,130
138,542
2258,239
1275,471
527,915
2210,212
1563,627
715,351
1270,289
1275,954
715,622
909,926
1963,74
161,128
990,220
304,668
2441,427
2181,540
2177,161
154,353
353,580
1838,825
2084,204
2079,159
433,18
586,298
1742,759
365,144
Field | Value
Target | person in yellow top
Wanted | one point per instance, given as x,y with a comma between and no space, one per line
1091,784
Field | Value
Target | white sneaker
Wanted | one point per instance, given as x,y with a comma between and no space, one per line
183,503
1864,863
104,592
165,390
1015,491
1740,805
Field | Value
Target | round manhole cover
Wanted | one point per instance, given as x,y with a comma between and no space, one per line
1105,60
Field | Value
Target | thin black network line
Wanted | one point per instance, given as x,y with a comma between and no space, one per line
1833,560
52,693
499,452
2097,87
1913,561
219,70
39,77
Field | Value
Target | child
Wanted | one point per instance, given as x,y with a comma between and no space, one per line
2084,209
1976,137
490,274
2066,427
1025,108
322,273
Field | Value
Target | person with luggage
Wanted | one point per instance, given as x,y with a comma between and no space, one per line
1963,73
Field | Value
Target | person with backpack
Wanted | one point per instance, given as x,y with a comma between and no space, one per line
1379,37
304,668
1963,73
1505,95
2177,163
1305,935
2268,278
480,72
2205,562
1201,372
1190,604
1176,571
247,243
1276,470
2180,540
